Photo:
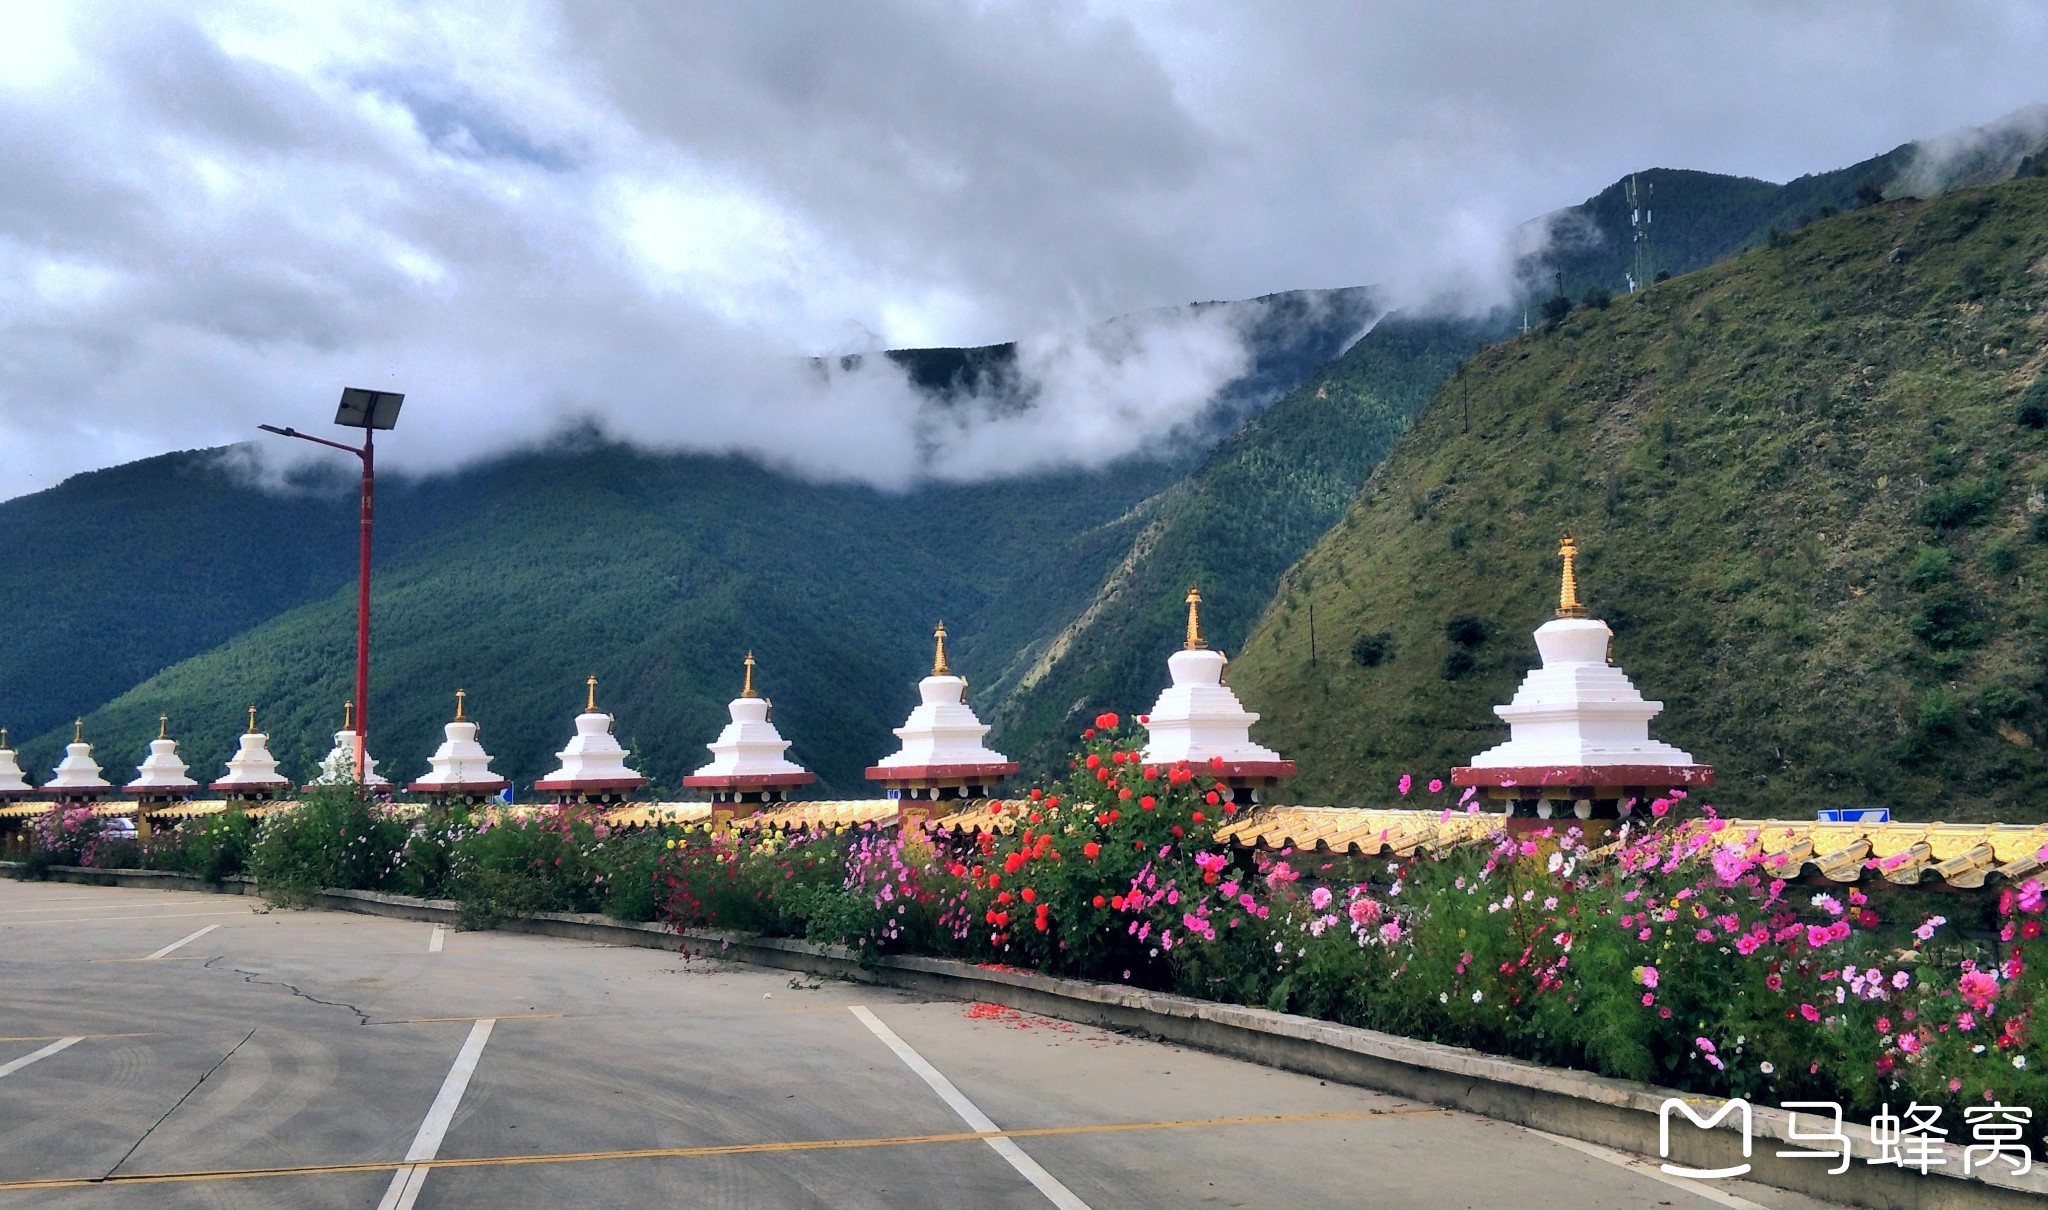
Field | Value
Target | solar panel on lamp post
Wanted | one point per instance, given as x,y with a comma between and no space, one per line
368,411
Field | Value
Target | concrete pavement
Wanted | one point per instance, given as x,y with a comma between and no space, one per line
301,1058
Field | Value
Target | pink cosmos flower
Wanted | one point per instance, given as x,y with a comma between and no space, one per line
1649,977
1809,1012
2030,895
1774,981
1319,898
1436,786
1979,989
1405,784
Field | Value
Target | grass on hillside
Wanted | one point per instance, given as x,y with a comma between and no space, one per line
1810,487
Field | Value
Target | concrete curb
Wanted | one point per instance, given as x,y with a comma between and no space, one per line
1613,1113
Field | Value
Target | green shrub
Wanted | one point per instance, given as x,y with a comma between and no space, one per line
211,847
1931,567
336,836
1372,650
1466,630
1457,662
2001,558
1946,621
1964,502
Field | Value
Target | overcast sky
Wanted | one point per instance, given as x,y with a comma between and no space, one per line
218,214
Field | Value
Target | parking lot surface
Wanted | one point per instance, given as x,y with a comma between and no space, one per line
169,1049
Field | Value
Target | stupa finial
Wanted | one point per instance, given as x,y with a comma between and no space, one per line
939,655
252,720
590,706
1568,592
460,694
747,689
163,727
78,731
1195,642
348,715
3,737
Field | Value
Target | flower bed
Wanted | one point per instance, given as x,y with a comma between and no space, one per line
1668,956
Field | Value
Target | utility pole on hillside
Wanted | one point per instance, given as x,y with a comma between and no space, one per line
368,411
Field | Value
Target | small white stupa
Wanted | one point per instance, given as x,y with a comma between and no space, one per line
1579,730
942,754
593,764
162,773
1199,720
252,770
78,774
747,761
12,783
460,765
337,768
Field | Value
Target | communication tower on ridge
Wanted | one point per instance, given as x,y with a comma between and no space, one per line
1639,197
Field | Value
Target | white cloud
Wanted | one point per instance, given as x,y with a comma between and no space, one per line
527,212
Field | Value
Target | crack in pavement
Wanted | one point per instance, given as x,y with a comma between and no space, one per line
253,977
181,1100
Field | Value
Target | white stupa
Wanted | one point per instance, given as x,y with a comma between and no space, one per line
1578,729
252,769
12,783
460,765
1578,710
161,772
77,773
747,757
942,748
1199,720
338,767
593,763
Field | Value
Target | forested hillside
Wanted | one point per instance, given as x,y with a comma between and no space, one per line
1811,489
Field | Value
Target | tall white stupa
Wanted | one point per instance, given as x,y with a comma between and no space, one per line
1199,721
593,765
460,766
12,783
942,756
1579,730
338,767
747,763
161,773
78,774
252,770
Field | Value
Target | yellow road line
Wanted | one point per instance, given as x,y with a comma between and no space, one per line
494,1017
54,1037
653,1153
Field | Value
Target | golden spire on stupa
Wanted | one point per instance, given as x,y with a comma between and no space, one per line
460,694
163,727
348,715
590,706
1568,591
78,731
1195,642
747,689
252,720
939,667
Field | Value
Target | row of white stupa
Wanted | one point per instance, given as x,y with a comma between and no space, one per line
1579,731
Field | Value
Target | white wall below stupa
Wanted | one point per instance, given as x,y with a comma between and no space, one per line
162,770
749,745
942,729
78,770
592,755
337,768
460,760
1198,718
252,766
1577,709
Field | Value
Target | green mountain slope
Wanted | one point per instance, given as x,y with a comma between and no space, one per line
654,573
1809,484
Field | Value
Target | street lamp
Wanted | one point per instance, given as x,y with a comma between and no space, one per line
368,411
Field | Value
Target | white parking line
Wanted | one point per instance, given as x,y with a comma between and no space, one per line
440,936
8,1069
182,941
1058,1194
405,1183
1643,1167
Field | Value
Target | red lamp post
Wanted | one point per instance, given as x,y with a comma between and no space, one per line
368,411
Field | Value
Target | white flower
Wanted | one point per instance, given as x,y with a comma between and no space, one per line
2020,1061
1556,862
1443,997
1478,996
1766,1067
